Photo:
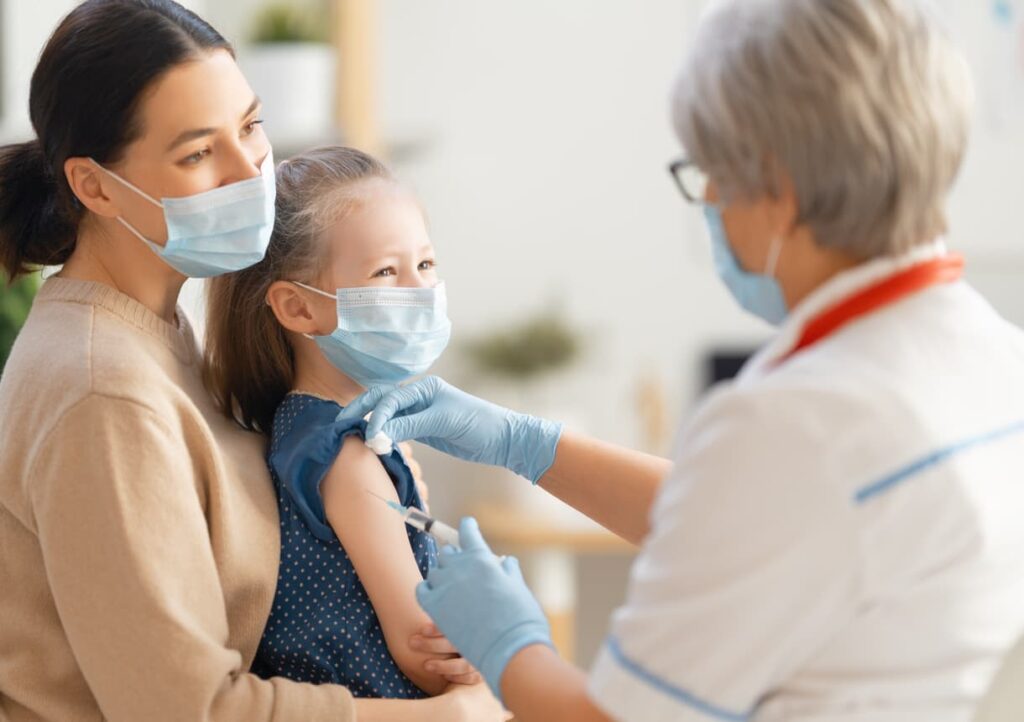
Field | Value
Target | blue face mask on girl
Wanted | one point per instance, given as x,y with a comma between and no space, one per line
218,231
386,335
758,293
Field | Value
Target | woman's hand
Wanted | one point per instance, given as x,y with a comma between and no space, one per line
470,703
458,424
448,663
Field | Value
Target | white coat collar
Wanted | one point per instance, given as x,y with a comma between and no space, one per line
834,290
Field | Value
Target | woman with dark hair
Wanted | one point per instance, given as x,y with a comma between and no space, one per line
139,535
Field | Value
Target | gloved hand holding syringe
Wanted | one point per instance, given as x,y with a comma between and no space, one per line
510,613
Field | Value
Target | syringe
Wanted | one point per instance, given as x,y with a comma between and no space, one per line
415,518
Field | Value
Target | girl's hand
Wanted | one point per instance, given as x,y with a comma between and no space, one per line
448,663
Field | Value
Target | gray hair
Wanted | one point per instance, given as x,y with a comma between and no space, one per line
864,105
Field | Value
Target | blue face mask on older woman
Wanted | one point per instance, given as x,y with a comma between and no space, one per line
758,293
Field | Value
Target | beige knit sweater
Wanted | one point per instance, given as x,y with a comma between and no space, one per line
139,534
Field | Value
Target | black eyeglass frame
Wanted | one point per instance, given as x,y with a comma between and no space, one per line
675,169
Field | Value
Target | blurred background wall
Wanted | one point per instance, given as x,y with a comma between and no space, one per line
536,134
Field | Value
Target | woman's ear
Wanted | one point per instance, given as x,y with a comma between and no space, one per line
88,181
301,311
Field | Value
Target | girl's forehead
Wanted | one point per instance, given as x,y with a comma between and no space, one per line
386,221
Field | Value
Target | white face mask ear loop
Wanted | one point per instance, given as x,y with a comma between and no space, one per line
300,284
135,188
131,228
773,257
314,290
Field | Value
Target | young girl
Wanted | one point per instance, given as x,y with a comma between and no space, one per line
347,296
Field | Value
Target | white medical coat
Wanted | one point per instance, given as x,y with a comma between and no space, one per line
842,538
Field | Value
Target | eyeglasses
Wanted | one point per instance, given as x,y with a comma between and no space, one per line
691,180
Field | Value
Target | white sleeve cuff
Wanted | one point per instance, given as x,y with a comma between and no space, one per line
623,689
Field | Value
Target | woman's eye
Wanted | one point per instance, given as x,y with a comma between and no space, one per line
197,156
385,273
250,127
428,265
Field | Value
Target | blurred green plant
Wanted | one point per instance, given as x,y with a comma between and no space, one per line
15,302
536,346
289,22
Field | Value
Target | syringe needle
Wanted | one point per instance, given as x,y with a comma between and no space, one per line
378,496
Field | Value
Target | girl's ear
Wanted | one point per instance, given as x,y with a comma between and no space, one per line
301,311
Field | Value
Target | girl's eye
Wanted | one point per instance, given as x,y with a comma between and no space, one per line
385,273
428,265
197,156
250,127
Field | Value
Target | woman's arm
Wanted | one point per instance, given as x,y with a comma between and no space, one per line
127,552
375,538
539,686
459,703
119,517
614,486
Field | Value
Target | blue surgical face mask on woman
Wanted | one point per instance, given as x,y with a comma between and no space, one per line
758,293
217,231
386,335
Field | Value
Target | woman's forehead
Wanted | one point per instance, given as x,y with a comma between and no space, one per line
207,93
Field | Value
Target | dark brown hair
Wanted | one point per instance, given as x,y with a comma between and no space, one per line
84,101
249,363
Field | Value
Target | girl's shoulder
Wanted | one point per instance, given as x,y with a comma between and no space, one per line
301,413
305,442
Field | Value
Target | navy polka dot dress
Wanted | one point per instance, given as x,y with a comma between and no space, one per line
322,627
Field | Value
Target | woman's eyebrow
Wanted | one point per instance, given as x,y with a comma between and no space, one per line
252,106
186,135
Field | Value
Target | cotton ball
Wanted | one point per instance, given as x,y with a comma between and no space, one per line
380,444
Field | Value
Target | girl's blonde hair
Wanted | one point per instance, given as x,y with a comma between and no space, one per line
249,363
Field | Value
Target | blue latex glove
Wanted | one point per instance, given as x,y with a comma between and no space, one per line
458,424
482,605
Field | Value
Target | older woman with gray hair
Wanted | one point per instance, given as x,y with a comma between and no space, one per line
839,537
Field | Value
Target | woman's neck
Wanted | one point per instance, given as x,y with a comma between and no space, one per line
804,266
121,261
315,375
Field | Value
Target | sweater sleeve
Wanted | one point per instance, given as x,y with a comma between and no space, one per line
129,560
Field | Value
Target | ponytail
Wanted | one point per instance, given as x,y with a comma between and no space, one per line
37,225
